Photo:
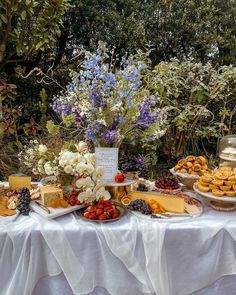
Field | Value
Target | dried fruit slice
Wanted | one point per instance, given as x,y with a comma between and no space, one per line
126,201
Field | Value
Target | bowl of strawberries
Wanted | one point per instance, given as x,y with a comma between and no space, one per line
103,211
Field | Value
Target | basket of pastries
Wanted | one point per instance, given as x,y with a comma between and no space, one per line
221,182
190,169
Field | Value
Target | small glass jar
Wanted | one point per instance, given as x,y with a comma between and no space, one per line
227,149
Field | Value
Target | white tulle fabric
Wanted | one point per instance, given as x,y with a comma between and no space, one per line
131,256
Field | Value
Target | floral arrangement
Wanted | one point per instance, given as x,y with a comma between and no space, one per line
109,104
69,163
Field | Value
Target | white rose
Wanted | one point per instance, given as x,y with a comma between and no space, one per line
85,182
42,148
68,169
82,168
90,158
82,147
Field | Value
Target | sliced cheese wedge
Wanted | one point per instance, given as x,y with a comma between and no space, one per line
175,204
18,182
49,193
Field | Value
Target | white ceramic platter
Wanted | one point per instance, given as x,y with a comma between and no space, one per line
210,196
232,159
54,213
175,216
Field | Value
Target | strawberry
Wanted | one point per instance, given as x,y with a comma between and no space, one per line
93,215
102,217
78,202
115,215
107,208
73,202
100,206
108,203
101,202
87,215
110,211
91,209
119,178
99,212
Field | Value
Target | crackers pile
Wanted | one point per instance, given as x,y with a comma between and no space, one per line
220,182
192,165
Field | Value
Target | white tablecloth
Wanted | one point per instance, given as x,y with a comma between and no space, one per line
132,256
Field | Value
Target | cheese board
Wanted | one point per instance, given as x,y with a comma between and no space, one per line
53,212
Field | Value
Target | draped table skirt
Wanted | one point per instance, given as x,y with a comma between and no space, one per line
128,257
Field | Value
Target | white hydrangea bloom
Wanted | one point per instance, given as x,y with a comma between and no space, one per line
42,148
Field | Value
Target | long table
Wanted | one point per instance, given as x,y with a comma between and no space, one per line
130,257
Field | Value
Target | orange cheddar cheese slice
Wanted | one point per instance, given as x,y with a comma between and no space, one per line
175,204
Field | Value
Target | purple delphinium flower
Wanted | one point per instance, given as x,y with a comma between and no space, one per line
110,136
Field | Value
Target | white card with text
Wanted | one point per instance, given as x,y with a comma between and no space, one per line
107,158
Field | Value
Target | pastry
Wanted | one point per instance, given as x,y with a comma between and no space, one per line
206,178
187,165
190,158
202,160
222,174
218,193
225,187
202,188
183,170
230,183
217,182
203,183
196,167
230,193
212,186
181,162
232,177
